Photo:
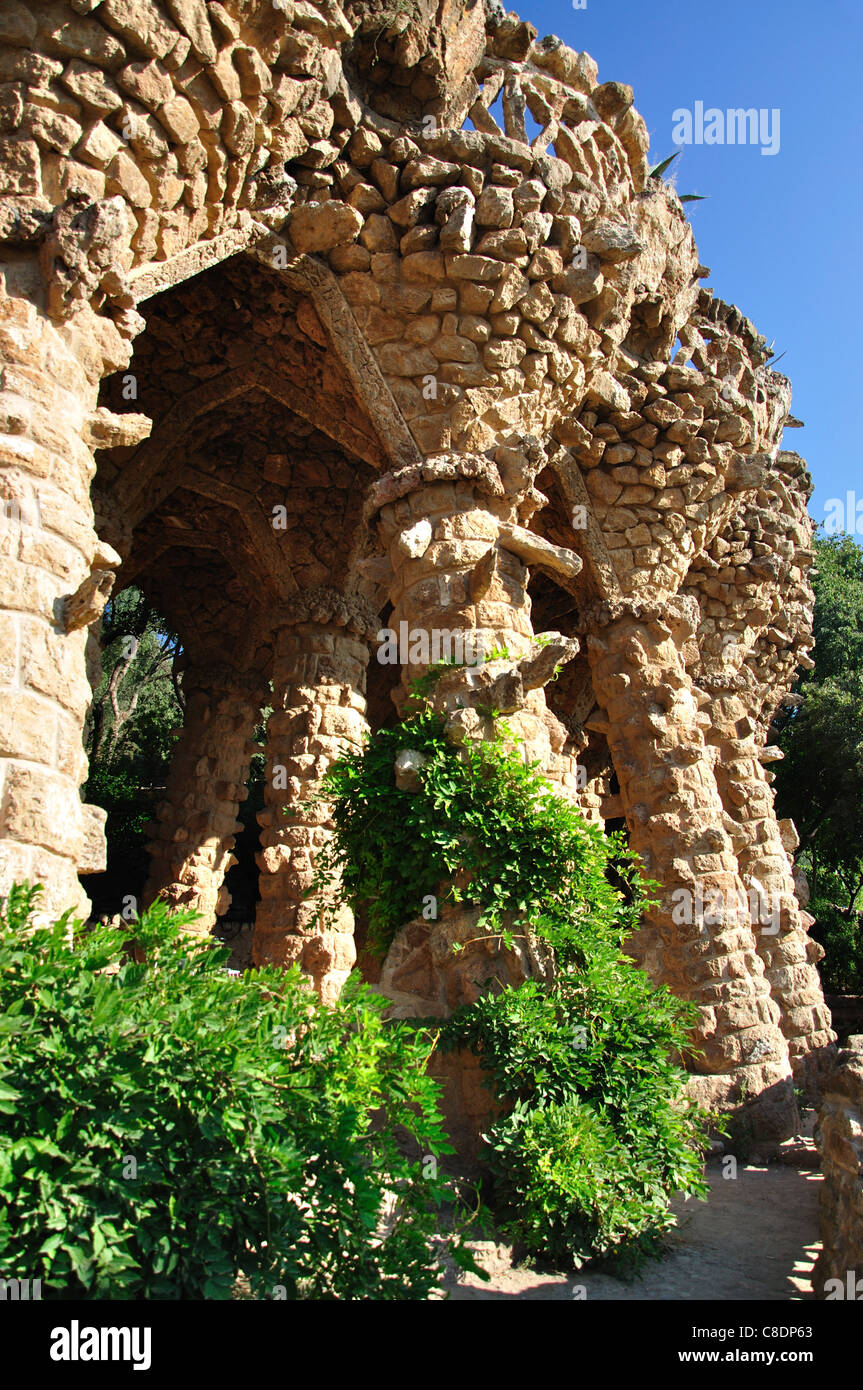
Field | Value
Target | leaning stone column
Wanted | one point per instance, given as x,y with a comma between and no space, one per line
777,922
55,577
451,530
197,820
319,680
676,823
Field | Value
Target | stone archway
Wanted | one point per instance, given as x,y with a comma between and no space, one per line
480,328
240,516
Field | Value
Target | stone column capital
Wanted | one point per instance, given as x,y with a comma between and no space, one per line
678,612
327,607
218,678
481,472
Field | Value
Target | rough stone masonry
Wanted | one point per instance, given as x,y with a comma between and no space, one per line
305,339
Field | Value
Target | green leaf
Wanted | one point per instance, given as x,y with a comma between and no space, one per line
659,169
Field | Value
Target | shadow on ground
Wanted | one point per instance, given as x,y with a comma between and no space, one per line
755,1238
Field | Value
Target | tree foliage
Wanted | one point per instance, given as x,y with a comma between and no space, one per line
129,732
820,782
139,699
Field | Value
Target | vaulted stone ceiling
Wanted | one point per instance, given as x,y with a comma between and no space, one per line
251,484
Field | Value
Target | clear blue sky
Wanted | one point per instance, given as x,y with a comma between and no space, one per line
781,233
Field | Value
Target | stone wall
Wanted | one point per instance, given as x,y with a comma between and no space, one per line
301,339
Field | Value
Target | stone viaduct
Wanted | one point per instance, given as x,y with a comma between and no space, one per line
316,320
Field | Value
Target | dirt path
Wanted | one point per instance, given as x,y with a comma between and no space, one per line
755,1238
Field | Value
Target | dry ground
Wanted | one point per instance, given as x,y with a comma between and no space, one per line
756,1238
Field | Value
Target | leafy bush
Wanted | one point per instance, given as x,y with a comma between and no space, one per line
577,1191
596,1133
169,1129
595,1136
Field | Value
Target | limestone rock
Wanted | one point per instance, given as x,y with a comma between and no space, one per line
612,241
408,769
316,227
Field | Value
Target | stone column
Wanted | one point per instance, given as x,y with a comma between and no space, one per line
676,823
196,822
777,921
839,1134
451,529
54,580
319,680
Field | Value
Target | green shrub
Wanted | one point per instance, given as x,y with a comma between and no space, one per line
169,1129
570,1188
596,1133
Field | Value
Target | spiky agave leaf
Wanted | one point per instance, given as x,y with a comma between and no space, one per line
659,169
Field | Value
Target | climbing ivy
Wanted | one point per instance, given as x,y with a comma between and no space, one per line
483,817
